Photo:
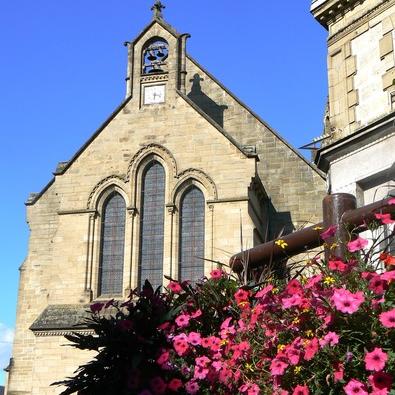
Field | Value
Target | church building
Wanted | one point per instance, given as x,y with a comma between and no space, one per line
163,188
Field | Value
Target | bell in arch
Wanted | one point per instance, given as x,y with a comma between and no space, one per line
151,57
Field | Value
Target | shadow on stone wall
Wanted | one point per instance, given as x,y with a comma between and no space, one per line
205,103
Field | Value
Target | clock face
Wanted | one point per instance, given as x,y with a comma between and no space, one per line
154,94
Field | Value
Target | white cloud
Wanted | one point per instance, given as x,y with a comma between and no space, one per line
6,337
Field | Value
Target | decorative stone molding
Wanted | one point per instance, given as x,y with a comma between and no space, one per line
201,177
101,186
360,21
150,149
171,208
154,78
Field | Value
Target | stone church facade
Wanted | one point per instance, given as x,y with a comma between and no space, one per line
171,177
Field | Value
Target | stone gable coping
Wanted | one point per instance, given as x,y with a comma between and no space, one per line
257,117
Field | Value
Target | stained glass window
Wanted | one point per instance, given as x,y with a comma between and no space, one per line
152,224
112,245
191,263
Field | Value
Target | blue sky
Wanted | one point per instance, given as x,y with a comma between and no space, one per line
63,65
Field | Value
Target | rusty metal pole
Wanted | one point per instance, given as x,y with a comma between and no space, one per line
333,207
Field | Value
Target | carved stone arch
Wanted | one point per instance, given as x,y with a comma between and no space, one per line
151,149
187,178
141,159
103,188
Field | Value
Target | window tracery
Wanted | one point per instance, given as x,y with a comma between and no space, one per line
152,224
191,236
112,245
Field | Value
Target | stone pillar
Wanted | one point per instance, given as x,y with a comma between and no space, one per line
182,62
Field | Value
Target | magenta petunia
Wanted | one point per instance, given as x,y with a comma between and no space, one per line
380,381
216,274
175,385
328,233
174,287
194,338
277,367
385,218
331,339
358,244
182,320
387,318
337,265
301,390
310,349
376,360
192,387
355,387
346,301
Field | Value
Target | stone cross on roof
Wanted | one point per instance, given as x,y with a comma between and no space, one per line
157,8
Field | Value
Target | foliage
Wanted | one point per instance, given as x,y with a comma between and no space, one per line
328,332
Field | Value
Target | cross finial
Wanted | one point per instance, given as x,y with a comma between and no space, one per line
157,8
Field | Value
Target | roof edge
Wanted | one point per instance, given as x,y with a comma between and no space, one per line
257,117
218,127
162,23
37,196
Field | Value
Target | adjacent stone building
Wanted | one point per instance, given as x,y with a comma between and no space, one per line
170,178
358,145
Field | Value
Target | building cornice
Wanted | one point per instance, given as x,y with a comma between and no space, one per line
361,138
360,21
327,11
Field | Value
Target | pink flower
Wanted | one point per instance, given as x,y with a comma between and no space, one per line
331,338
174,287
330,232
338,372
377,285
202,361
358,244
200,372
194,338
196,314
182,320
294,300
355,387
391,201
311,348
293,355
385,218
216,274
376,360
174,385
180,344
387,318
294,287
337,265
301,390
277,367
192,387
380,381
264,291
241,295
347,302
163,358
250,389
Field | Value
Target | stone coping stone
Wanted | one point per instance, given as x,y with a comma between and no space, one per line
61,317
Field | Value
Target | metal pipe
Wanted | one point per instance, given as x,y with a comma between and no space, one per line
308,238
333,208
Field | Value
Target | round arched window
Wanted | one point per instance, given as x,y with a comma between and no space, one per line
155,54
